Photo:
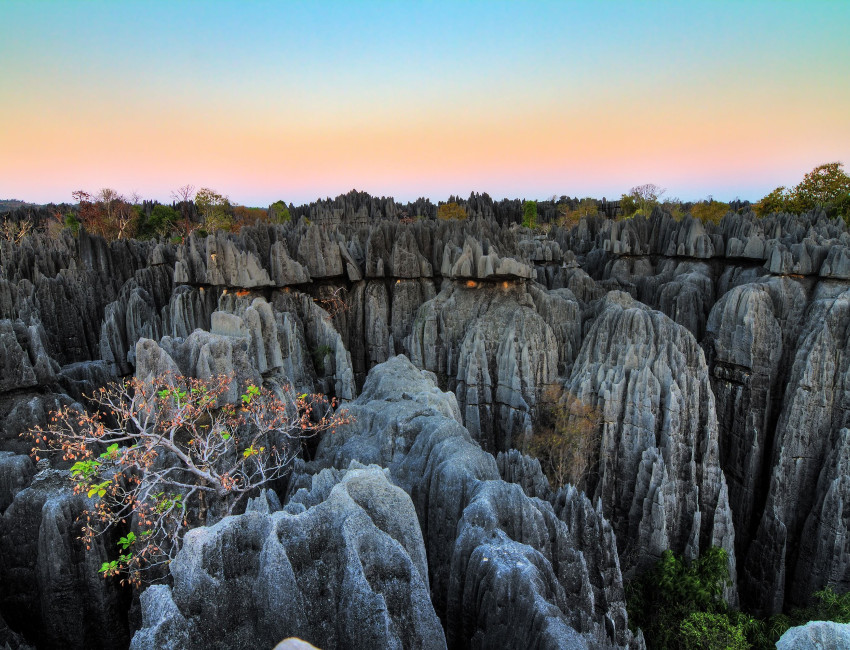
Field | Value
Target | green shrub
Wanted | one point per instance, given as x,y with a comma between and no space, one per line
628,205
705,631
679,605
641,200
319,355
710,211
72,222
661,599
279,212
159,224
529,214
826,605
826,186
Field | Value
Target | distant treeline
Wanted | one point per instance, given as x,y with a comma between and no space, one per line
114,216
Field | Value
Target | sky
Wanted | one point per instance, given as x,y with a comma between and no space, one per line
300,100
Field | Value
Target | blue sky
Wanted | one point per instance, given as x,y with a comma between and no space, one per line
298,100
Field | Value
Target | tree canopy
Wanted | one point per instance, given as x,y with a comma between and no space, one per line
451,211
641,199
826,186
529,214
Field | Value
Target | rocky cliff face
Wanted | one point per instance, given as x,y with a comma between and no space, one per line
487,541
52,592
342,566
716,354
659,476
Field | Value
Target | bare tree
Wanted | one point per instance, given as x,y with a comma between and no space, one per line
185,197
107,213
15,231
566,438
646,197
184,194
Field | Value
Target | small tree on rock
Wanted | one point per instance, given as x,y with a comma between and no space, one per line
566,438
164,456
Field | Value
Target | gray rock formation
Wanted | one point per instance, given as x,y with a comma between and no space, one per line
24,362
816,635
16,472
49,581
765,297
493,345
807,458
342,566
10,639
659,476
751,334
487,542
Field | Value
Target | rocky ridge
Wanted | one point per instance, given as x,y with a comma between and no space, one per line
725,411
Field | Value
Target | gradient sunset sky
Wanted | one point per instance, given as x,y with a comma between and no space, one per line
297,100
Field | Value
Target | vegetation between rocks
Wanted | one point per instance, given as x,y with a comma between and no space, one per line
679,606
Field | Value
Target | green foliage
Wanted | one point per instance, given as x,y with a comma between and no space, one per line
127,541
628,205
215,209
661,599
72,222
707,631
99,489
250,393
779,200
679,605
279,212
710,211
160,223
109,568
641,200
569,218
826,186
448,211
164,502
674,208
85,469
162,220
111,452
177,394
529,214
827,605
319,355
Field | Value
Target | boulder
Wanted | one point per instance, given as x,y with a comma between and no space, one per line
816,635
